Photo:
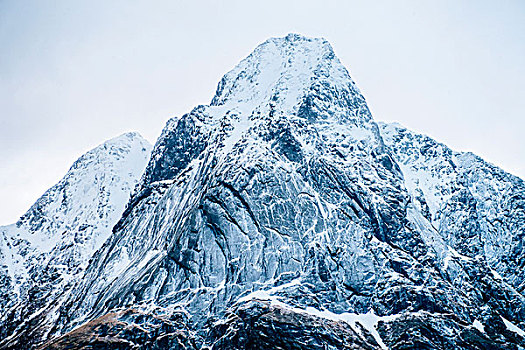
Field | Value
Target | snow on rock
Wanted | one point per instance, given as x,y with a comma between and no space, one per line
45,252
477,208
282,208
512,327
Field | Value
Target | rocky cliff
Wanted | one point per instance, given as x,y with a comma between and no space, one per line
281,215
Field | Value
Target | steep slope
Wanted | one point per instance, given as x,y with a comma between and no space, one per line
278,217
282,189
477,207
283,177
46,251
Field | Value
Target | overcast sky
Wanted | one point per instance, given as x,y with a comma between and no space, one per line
75,73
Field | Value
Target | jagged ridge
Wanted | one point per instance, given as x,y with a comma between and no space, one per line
283,203
47,250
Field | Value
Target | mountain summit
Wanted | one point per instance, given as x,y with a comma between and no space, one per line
282,216
280,72
45,253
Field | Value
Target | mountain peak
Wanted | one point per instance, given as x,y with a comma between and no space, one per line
281,71
293,41
131,138
292,85
123,156
52,242
281,216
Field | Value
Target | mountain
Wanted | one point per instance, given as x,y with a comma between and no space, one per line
46,251
477,208
282,216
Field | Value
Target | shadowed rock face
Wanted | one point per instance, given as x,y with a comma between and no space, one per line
258,325
282,216
128,329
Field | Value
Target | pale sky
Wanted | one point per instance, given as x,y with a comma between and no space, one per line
75,73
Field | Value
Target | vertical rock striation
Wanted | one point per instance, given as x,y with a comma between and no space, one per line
281,215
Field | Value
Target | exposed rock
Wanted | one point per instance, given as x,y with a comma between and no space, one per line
46,252
282,216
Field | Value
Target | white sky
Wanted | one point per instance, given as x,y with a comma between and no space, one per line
75,73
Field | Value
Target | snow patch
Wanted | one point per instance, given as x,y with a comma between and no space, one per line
479,326
369,320
512,327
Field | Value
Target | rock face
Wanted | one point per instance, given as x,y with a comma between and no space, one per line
45,253
281,215
476,207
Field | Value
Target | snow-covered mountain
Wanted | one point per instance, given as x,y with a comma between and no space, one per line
477,208
46,251
281,215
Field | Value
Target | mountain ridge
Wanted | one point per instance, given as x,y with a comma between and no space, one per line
283,216
50,245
